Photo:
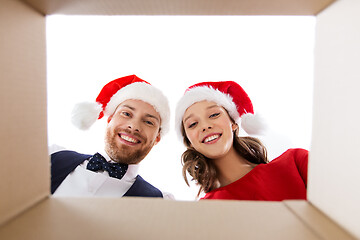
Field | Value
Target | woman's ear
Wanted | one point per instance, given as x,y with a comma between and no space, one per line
234,126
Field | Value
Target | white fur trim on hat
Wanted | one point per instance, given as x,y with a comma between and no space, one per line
198,94
253,124
85,114
147,93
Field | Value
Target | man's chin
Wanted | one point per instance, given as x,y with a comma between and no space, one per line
126,154
129,159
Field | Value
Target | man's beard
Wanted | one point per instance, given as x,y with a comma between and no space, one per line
125,154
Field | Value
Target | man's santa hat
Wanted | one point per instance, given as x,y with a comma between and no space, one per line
115,92
227,94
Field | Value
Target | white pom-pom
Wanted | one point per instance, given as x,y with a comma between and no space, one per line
85,114
253,124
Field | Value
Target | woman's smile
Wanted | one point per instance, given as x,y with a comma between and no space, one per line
211,138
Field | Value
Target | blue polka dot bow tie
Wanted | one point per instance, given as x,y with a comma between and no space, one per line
115,170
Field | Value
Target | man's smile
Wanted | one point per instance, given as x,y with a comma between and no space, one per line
128,139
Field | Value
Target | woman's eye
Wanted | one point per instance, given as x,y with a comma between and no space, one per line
214,115
192,125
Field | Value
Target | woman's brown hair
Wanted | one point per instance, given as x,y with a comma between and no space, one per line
203,171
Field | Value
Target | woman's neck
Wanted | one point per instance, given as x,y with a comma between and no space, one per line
232,167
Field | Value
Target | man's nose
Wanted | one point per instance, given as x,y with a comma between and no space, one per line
134,125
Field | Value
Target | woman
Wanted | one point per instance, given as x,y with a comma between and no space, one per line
225,165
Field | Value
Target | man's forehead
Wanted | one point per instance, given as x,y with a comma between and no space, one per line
139,105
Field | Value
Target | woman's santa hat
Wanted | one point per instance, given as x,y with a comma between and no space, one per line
227,94
115,92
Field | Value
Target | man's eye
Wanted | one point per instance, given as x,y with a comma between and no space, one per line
149,123
126,114
192,125
214,115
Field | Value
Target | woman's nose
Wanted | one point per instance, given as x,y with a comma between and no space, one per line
204,129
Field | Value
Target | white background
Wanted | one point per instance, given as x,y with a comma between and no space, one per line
270,57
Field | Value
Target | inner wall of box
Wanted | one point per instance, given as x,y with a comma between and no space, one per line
334,162
25,171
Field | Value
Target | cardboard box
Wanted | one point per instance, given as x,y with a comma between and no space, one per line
27,211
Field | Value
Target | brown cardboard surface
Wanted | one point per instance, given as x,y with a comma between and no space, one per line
180,7
24,170
145,218
322,225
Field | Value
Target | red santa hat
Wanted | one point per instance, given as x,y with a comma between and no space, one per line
227,94
115,92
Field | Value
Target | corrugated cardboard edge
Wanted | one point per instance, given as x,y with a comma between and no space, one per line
180,7
316,220
325,6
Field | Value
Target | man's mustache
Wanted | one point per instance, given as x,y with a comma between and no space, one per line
134,133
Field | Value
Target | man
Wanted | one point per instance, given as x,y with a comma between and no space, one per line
138,116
